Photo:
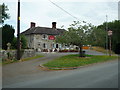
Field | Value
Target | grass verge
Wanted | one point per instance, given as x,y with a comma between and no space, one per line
30,58
75,61
25,59
100,49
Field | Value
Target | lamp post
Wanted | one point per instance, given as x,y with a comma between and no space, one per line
18,32
109,34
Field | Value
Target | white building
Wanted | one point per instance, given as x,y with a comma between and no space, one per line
43,38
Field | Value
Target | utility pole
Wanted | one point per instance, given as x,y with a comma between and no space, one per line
18,32
106,35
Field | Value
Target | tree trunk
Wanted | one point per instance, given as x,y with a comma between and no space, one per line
80,51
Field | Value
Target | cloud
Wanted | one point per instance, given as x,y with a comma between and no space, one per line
61,0
43,13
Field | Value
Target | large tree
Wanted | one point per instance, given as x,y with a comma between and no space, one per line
3,16
7,35
23,42
97,37
3,13
77,34
114,26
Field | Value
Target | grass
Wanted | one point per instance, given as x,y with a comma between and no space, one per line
75,61
30,58
0,61
100,49
24,59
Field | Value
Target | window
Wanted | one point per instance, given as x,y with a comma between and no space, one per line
53,45
44,36
56,45
44,45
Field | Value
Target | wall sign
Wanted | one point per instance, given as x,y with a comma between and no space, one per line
51,37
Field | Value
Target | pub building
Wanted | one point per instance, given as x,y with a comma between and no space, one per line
43,38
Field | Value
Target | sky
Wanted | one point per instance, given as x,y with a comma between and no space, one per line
43,12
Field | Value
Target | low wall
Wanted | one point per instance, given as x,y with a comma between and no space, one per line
24,54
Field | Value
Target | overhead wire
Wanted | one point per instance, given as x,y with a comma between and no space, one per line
66,11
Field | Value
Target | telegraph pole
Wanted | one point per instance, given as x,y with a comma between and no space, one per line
106,35
18,32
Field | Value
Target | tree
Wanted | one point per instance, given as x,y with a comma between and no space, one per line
77,34
23,42
7,35
114,26
97,37
14,43
3,14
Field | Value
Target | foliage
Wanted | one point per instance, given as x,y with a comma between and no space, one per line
3,13
14,43
77,34
97,37
114,26
7,35
23,41
75,61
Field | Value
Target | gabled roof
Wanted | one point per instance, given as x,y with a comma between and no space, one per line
43,30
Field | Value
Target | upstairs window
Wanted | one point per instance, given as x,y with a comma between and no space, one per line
44,36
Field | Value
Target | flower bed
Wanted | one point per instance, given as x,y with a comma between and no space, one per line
68,50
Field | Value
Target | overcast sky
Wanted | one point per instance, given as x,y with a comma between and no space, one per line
43,12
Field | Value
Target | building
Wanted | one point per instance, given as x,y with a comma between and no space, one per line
43,38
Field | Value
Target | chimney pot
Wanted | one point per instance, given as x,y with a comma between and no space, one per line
32,24
54,25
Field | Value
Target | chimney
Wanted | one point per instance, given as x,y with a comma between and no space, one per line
54,25
32,24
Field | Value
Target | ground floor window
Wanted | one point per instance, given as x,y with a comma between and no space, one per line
44,45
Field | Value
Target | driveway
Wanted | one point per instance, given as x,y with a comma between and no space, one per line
14,72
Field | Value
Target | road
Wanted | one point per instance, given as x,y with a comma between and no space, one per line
28,75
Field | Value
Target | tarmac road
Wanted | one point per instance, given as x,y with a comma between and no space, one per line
28,75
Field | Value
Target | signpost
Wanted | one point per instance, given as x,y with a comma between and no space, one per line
110,34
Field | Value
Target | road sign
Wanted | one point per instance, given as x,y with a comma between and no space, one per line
109,32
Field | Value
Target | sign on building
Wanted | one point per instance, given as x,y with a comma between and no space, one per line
51,37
